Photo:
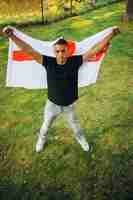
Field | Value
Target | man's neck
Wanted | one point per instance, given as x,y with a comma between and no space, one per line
61,62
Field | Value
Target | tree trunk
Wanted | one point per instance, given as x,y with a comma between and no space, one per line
46,10
130,8
129,11
42,11
71,7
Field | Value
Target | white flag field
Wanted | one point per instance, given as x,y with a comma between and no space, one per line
24,71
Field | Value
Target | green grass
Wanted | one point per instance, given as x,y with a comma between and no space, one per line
105,110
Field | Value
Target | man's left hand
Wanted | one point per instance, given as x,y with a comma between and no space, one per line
116,31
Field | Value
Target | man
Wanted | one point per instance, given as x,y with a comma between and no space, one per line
62,79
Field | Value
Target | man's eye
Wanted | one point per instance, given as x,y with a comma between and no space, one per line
57,51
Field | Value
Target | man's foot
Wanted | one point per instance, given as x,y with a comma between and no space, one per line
84,144
40,143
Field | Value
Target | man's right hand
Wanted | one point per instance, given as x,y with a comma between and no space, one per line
116,31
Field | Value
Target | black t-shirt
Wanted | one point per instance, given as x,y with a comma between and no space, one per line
62,79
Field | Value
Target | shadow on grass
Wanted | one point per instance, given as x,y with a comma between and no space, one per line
109,173
112,181
12,191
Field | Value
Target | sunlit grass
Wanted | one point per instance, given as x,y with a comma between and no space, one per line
31,12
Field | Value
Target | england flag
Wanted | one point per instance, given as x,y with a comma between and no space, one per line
24,71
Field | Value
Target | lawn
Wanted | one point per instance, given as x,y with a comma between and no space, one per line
105,110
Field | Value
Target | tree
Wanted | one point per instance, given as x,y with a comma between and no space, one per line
129,11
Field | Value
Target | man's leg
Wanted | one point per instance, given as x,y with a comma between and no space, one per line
70,115
50,112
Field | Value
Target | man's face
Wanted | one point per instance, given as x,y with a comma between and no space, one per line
61,53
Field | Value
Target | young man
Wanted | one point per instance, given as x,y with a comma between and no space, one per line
62,79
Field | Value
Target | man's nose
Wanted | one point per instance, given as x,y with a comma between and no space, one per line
60,53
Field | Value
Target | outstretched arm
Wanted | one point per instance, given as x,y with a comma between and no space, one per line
89,55
9,32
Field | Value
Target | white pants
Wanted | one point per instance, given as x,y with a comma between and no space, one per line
52,110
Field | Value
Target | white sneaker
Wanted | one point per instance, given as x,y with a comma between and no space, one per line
40,143
84,144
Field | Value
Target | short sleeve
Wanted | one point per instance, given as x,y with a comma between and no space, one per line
78,60
45,61
48,61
